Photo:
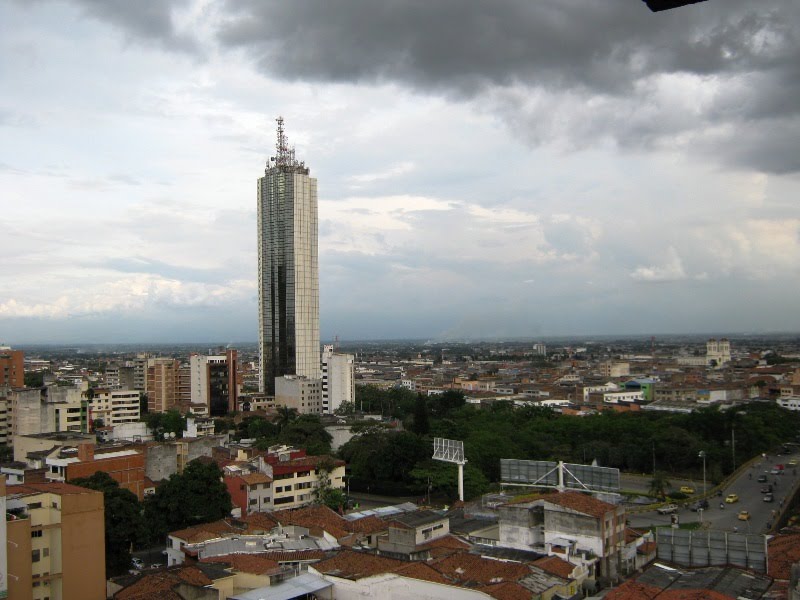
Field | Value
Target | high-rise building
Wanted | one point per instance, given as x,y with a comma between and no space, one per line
213,382
162,384
338,379
288,269
12,369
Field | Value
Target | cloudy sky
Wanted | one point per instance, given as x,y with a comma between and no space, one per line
486,168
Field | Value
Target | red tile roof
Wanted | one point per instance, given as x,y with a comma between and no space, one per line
506,590
445,546
55,487
357,565
314,518
255,478
582,503
161,584
473,569
368,524
783,550
555,566
257,564
420,570
249,525
633,590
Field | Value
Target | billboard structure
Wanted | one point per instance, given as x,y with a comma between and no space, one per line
712,548
451,451
559,475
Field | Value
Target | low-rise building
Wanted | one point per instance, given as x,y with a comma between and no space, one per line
575,526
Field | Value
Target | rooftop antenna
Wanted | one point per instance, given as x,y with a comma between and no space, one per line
336,343
284,154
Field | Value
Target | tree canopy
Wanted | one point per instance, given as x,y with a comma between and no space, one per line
197,495
124,522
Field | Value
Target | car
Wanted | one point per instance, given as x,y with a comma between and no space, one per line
731,498
137,563
775,472
668,509
762,479
685,489
156,566
744,515
769,498
791,463
699,505
767,489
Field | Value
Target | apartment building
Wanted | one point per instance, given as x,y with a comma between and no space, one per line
12,367
296,476
213,381
338,379
250,493
300,393
162,384
56,542
112,407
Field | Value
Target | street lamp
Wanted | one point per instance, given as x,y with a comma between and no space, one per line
702,454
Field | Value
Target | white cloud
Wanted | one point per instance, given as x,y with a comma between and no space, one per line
670,270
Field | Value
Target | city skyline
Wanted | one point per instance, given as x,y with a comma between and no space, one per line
542,170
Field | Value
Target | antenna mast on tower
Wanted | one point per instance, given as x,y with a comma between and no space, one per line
284,154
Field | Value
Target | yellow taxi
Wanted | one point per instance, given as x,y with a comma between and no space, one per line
791,463
744,515
685,489
731,498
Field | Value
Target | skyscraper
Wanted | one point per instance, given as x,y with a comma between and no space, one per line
288,269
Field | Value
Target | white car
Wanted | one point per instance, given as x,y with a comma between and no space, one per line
137,563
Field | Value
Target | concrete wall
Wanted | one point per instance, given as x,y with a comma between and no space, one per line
161,461
83,557
341,434
19,559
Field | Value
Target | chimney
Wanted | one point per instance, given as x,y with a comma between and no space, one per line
86,452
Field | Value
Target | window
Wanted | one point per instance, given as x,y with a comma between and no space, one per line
36,534
35,556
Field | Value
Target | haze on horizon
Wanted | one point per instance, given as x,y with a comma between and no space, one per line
486,170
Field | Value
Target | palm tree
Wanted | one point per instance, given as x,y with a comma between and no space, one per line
285,416
659,484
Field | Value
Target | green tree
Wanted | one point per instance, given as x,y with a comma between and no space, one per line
124,523
333,498
420,424
307,431
34,379
285,416
659,485
163,423
345,408
198,495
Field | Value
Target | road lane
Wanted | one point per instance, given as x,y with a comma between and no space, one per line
751,499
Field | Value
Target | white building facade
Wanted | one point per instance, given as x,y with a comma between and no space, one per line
338,379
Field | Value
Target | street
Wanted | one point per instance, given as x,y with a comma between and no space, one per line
747,487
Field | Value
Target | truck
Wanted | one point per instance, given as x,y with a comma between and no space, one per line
668,509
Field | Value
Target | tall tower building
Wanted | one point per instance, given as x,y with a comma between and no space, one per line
288,269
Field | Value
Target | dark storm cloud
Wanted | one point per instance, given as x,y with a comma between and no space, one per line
458,45
505,52
600,48
148,19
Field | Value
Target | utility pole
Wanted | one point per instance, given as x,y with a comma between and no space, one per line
733,446
654,460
